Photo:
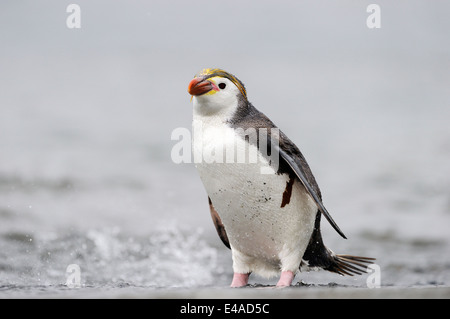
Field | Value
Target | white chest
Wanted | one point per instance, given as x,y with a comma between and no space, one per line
250,203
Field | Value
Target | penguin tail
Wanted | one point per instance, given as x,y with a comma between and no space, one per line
348,265
318,256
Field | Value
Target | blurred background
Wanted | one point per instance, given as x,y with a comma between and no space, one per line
86,117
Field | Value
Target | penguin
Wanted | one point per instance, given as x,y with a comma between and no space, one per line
264,200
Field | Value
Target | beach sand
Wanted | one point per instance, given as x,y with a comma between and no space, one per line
246,293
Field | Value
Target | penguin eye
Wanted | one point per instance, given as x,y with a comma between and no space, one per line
222,86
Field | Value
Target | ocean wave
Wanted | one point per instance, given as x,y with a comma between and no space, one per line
169,256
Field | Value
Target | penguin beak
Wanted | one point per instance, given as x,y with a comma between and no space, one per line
199,86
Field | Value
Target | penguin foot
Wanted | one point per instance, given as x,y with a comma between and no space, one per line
239,280
286,279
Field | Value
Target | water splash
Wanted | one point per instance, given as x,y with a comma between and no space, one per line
169,256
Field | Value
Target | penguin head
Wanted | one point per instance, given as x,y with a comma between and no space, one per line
216,92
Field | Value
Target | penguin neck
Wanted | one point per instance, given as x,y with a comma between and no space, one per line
243,110
212,114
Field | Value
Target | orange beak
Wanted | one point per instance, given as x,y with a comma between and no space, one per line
199,86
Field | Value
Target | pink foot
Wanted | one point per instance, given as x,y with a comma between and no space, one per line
285,279
239,280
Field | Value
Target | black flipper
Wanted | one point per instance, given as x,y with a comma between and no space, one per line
218,224
291,162
299,171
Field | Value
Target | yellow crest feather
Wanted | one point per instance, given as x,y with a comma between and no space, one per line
222,73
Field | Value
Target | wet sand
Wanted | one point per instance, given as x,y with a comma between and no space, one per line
295,293
327,293
225,293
